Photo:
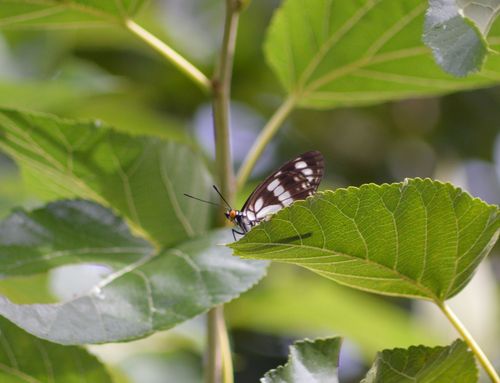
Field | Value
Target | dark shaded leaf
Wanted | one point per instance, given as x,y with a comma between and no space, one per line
420,364
24,358
146,290
456,32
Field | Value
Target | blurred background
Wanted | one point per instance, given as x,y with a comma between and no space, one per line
113,77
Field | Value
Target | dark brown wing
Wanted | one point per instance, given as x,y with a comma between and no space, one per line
295,180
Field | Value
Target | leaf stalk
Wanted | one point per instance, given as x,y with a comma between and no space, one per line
171,55
467,337
263,139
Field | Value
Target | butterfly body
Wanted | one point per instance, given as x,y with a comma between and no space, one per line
240,219
295,180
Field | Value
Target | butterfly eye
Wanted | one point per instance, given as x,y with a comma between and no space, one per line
232,214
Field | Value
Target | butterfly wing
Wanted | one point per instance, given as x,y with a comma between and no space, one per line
295,180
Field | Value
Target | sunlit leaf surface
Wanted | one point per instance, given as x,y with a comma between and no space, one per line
420,364
24,358
456,31
146,290
419,238
65,14
143,178
309,362
334,53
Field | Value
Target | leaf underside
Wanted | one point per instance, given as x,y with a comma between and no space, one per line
311,361
334,53
419,238
456,32
142,178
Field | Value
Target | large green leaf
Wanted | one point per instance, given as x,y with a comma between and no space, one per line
12,191
319,313
456,32
24,358
146,289
419,238
143,178
309,362
65,14
333,53
420,364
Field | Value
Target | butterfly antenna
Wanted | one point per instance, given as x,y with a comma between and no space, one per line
220,194
202,200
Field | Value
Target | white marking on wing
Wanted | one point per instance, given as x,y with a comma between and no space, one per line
307,172
284,196
251,214
258,204
280,189
270,209
273,185
300,165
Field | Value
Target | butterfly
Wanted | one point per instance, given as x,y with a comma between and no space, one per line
295,180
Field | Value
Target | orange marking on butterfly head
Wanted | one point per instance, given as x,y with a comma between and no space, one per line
231,214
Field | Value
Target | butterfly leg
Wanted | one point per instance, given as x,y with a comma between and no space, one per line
237,232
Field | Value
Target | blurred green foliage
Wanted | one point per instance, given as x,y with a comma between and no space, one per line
106,74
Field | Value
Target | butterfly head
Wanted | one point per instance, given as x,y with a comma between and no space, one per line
232,214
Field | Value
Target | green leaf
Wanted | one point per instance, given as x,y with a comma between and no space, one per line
24,358
27,289
130,117
318,314
44,95
420,364
456,32
309,362
338,53
65,14
419,238
12,191
146,290
143,178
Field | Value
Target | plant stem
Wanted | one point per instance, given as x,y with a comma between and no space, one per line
213,360
221,102
467,337
175,58
219,361
227,360
264,138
